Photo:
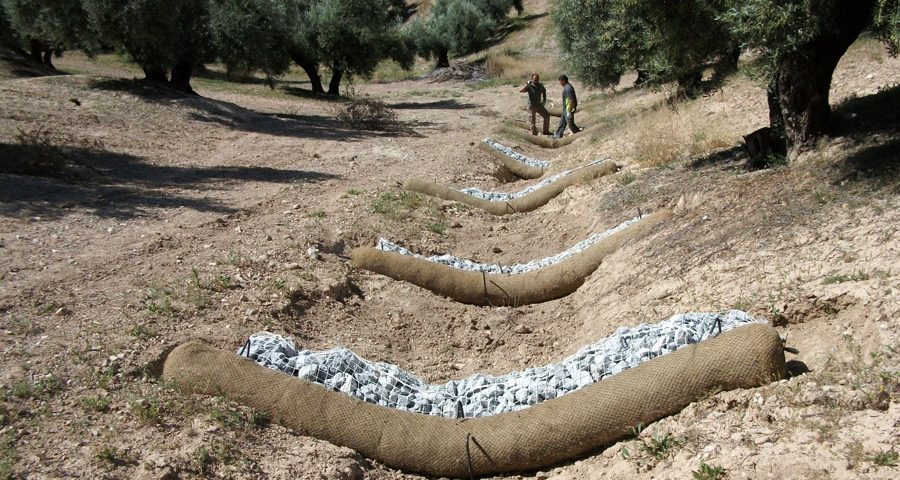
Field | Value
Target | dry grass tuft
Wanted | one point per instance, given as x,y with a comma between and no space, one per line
664,136
511,66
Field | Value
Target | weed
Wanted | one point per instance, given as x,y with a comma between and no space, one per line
147,412
308,276
158,301
8,456
660,446
24,325
840,278
397,204
207,457
96,404
226,417
142,331
42,152
436,227
708,472
627,178
114,456
317,214
887,458
354,192
41,389
237,259
260,419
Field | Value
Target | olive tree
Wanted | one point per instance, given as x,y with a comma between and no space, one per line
46,27
801,42
162,36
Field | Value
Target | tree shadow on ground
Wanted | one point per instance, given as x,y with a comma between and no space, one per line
114,185
726,156
231,115
435,105
871,124
221,76
15,65
308,93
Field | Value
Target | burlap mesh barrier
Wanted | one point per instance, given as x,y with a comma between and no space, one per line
539,140
518,169
525,203
479,288
544,434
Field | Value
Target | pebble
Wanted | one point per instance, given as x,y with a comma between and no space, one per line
340,369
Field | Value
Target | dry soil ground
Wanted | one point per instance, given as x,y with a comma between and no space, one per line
193,217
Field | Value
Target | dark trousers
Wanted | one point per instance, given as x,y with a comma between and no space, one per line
567,119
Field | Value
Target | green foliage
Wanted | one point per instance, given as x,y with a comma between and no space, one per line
459,26
353,36
601,39
251,35
886,24
51,25
708,472
887,458
158,34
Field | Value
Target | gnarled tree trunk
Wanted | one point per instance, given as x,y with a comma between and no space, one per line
181,76
804,76
311,68
443,59
334,86
154,73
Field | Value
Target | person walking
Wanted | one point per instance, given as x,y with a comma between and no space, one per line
570,105
537,96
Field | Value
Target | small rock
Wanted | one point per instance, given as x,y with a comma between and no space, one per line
522,329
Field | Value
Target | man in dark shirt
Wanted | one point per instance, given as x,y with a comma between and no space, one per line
537,96
570,104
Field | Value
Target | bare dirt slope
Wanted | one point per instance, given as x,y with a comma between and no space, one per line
194,217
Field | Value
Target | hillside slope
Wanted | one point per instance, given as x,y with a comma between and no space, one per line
194,217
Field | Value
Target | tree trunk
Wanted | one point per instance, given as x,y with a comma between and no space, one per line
35,48
155,74
334,86
315,80
642,78
311,67
181,76
443,59
47,58
804,77
728,62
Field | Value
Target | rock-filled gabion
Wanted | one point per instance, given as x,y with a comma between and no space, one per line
516,155
480,395
506,197
465,264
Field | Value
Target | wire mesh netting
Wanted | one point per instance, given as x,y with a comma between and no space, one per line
494,268
506,197
516,155
340,369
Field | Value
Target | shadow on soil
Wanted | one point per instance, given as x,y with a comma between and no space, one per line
113,185
436,105
871,123
319,127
